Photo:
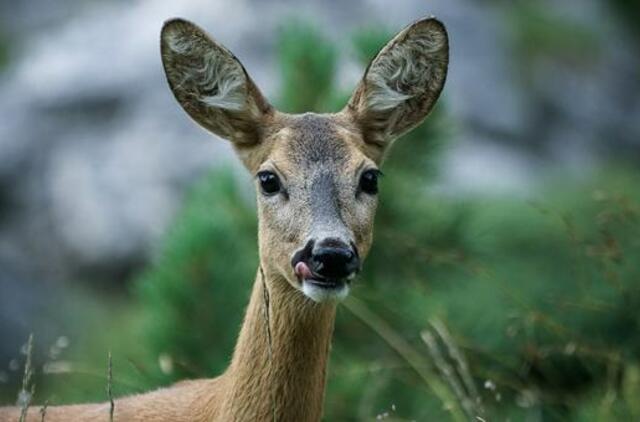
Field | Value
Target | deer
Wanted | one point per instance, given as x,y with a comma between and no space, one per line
316,179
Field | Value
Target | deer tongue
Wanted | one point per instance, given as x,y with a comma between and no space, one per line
302,270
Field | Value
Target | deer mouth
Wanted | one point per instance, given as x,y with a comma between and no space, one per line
305,274
321,289
324,283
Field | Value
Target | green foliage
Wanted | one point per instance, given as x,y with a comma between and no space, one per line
538,33
629,13
196,293
308,63
368,41
542,298
4,51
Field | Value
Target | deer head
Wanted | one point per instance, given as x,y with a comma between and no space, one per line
316,175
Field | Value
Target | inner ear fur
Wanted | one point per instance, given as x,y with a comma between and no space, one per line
211,84
402,83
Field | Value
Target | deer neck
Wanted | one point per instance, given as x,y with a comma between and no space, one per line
279,365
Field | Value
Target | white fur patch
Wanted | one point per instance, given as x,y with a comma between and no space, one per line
224,78
404,70
219,81
382,96
180,44
319,294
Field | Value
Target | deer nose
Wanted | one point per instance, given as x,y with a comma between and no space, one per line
334,259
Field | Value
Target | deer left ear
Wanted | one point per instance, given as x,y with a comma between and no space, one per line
210,84
402,83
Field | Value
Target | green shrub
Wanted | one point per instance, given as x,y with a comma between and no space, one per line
308,65
196,292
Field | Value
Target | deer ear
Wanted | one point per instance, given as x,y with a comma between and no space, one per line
210,84
402,83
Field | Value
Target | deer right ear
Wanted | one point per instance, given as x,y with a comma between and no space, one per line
401,84
210,84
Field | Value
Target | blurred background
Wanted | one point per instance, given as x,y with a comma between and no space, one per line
513,287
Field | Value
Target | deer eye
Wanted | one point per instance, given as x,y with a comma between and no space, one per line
269,182
369,182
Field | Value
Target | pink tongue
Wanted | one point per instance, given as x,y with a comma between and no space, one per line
302,270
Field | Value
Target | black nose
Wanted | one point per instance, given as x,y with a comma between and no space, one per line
334,259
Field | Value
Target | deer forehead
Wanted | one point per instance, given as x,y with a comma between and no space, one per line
310,144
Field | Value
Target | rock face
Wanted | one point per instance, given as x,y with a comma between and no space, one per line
96,155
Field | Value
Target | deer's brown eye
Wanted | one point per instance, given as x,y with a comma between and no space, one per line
369,182
269,182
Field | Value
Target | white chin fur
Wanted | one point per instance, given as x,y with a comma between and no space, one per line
320,294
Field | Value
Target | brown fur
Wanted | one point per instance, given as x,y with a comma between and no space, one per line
278,369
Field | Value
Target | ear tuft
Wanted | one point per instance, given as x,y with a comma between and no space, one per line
402,83
409,67
217,80
210,83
